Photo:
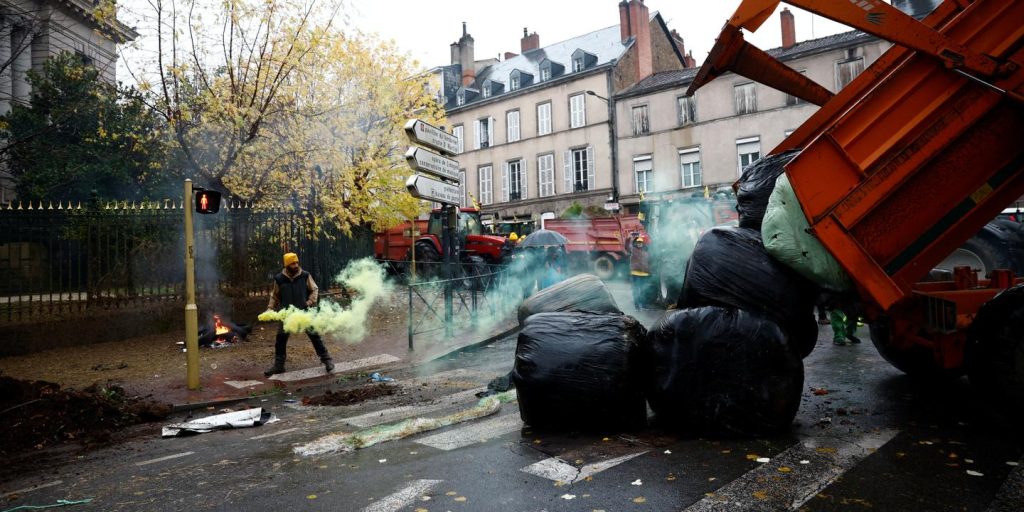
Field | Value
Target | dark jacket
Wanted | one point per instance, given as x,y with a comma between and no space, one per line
299,290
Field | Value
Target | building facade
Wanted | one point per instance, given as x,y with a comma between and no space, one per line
536,129
32,31
671,145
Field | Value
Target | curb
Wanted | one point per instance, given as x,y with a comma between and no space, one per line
176,408
477,344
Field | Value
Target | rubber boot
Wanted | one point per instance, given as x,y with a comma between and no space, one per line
328,364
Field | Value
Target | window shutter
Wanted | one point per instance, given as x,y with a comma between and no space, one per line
590,168
524,178
490,131
568,172
504,182
476,135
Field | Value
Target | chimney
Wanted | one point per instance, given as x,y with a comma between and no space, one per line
466,57
682,48
690,61
455,54
635,22
788,28
529,41
624,20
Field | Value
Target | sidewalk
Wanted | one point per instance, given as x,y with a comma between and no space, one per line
154,366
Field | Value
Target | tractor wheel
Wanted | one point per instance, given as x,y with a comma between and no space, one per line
916,361
475,270
604,267
995,353
427,254
985,252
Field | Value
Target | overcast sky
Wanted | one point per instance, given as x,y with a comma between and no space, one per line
425,29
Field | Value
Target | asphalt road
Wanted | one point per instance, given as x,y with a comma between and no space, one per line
875,441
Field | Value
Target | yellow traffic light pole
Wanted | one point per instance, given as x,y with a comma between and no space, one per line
191,312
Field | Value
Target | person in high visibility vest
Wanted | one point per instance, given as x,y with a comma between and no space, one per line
639,271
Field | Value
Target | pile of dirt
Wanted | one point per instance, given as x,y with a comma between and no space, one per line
37,414
351,396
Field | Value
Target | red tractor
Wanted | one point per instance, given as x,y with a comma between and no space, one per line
476,250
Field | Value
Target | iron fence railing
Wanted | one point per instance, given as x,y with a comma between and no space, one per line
68,259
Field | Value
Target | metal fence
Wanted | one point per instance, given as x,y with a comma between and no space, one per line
67,259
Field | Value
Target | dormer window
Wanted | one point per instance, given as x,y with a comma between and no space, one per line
582,60
487,92
545,74
550,69
460,98
577,65
513,83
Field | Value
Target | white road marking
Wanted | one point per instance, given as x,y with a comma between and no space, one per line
475,433
408,411
342,367
240,384
272,434
558,470
161,459
829,459
30,489
404,497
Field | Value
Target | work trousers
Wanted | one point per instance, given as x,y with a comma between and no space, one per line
281,345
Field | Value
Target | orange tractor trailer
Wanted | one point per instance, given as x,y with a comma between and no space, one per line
902,166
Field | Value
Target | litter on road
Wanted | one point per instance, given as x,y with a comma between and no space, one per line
239,419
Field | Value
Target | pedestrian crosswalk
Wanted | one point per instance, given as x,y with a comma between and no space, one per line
478,432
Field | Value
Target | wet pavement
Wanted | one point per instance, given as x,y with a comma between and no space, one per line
866,438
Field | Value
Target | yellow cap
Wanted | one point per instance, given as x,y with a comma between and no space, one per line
513,236
290,258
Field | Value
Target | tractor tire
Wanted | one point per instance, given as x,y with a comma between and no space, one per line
475,273
995,354
984,252
916,361
604,267
428,254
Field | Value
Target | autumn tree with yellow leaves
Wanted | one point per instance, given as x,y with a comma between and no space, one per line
274,102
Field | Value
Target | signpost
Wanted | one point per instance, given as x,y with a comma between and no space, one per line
441,185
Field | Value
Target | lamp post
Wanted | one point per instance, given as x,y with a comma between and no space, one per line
612,139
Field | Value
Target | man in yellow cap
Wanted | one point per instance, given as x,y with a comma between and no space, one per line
296,288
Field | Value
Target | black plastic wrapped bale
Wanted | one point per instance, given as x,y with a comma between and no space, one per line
584,292
723,371
755,186
731,268
581,371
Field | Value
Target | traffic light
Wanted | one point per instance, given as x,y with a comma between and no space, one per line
207,201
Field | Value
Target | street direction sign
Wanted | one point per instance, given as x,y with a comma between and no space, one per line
432,137
433,190
429,162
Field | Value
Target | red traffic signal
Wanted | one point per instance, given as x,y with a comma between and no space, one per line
207,201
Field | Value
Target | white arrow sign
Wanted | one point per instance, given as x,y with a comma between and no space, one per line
432,137
427,161
433,190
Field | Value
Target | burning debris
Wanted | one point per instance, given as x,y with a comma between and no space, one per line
218,333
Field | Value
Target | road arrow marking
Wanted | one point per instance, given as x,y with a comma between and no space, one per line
558,470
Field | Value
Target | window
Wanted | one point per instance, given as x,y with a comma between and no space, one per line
513,83
460,98
687,106
793,100
745,98
545,74
847,70
577,64
642,169
641,121
689,167
460,145
579,170
487,91
546,175
485,184
577,111
544,118
748,151
513,177
484,133
463,200
512,125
